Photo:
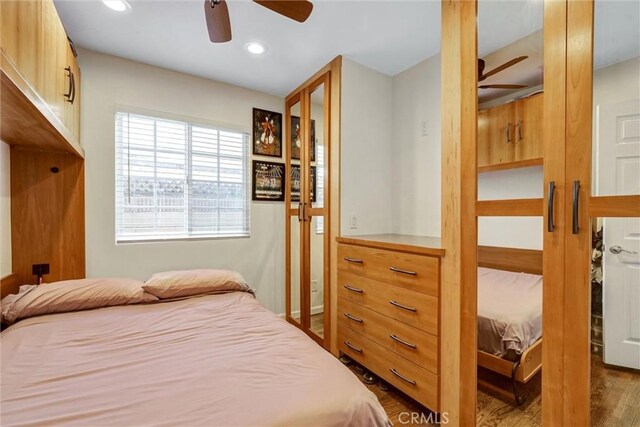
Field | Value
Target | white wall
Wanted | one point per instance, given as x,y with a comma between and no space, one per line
416,157
5,211
109,82
367,143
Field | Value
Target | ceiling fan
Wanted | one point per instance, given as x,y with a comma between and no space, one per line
482,75
217,15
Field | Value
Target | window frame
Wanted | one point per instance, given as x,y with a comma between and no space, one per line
189,123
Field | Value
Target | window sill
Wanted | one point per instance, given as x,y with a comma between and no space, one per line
181,239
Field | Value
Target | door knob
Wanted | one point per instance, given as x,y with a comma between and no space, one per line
619,249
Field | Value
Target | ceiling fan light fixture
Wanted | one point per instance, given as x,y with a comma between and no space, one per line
255,48
117,5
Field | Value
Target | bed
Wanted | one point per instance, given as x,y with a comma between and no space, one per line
203,360
510,314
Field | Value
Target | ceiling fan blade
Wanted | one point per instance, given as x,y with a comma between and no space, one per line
504,66
218,24
298,10
502,86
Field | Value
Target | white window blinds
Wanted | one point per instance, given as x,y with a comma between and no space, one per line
177,180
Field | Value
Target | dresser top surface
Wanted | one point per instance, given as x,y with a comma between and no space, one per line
401,242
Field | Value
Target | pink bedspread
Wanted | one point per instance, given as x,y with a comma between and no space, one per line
217,360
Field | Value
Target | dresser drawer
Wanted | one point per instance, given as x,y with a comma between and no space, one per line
418,346
414,308
416,272
408,377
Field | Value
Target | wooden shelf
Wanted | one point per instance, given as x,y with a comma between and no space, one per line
511,165
27,120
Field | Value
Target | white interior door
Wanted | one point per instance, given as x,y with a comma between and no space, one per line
618,173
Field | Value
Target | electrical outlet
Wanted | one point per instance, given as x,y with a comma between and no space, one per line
424,128
314,286
353,221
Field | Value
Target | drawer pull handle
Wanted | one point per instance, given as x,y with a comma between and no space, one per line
406,307
354,318
352,289
403,342
402,377
398,270
354,260
352,347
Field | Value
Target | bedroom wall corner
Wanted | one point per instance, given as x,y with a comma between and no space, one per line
416,153
366,145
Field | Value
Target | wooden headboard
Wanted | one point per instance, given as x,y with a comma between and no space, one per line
510,259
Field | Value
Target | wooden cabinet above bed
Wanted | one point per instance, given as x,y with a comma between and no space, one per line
510,135
388,310
40,78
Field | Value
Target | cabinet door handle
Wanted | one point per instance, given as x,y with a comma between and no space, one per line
352,347
73,88
354,318
353,260
352,289
403,342
508,133
552,190
404,307
402,377
576,201
68,95
519,130
398,270
300,212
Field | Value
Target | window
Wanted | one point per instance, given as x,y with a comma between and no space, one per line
178,180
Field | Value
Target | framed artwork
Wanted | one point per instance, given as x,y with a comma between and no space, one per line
268,181
296,139
295,183
267,133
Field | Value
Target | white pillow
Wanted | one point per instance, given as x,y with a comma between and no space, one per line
72,295
173,284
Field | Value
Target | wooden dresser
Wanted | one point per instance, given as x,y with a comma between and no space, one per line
388,310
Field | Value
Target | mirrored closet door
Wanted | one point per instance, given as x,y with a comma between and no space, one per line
510,162
307,255
603,119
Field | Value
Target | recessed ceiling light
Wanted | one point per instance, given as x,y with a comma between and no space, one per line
256,48
117,5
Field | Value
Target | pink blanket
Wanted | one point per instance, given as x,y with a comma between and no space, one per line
210,360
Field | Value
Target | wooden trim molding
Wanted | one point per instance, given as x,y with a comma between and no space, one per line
614,206
458,309
511,165
512,207
510,259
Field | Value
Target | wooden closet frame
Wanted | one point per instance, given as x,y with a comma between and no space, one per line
568,41
330,76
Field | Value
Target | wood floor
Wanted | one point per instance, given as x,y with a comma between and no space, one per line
615,401
317,324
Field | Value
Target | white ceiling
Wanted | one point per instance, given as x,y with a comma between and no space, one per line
386,35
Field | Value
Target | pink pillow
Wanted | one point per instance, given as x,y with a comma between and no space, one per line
173,284
73,295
